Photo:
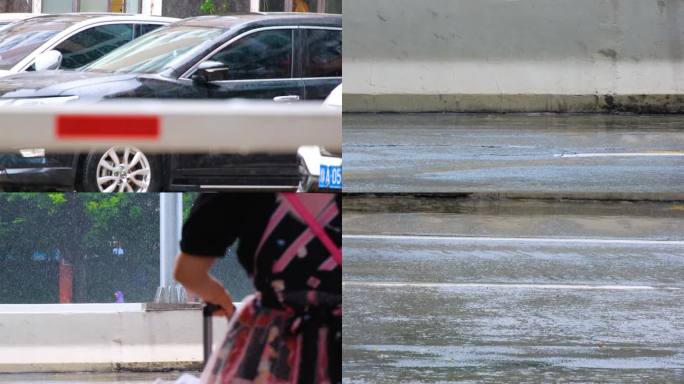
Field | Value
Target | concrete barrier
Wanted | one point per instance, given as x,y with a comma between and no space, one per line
514,55
102,337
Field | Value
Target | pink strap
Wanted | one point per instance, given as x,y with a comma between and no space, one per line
315,227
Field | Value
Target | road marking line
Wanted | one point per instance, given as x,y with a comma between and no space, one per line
466,239
623,154
507,286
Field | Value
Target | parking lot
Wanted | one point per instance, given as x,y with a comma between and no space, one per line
75,60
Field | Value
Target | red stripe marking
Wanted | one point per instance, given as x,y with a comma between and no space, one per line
107,127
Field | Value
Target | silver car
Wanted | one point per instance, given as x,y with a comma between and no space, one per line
68,41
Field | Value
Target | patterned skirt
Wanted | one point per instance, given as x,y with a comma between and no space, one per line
265,345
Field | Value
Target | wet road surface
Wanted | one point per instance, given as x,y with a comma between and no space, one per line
513,153
528,302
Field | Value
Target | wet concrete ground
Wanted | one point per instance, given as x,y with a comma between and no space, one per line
513,153
526,302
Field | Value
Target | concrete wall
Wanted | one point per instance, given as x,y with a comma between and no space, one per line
101,337
499,55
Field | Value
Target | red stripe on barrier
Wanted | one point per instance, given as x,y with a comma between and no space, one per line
107,127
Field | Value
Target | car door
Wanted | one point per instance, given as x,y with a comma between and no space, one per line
321,60
259,66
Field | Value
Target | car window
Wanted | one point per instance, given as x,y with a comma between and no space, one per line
20,39
322,53
93,43
260,55
142,29
157,50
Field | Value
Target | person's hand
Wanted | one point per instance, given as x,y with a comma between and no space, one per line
228,311
193,273
226,303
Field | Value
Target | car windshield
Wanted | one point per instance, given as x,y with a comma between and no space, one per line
155,51
19,39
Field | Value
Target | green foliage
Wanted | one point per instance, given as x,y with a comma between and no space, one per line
188,200
57,198
83,229
208,7
215,7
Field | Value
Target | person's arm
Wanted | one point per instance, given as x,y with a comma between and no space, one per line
193,273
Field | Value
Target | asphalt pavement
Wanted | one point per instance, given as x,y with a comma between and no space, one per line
511,292
515,153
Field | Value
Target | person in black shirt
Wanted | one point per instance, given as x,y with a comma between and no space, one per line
289,244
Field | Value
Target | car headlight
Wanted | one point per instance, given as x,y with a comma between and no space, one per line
38,100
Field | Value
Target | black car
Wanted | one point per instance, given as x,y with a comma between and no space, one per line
283,57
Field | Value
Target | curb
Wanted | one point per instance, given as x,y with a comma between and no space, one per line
515,103
456,202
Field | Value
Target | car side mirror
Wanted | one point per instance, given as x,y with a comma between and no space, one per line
210,71
48,60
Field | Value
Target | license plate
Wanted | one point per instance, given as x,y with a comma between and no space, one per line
331,177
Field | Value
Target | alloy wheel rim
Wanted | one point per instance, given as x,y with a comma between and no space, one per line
123,169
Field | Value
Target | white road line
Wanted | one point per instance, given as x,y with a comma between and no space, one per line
623,154
508,286
471,239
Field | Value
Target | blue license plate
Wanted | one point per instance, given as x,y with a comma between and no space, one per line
331,177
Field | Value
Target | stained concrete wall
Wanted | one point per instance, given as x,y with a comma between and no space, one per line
101,337
514,55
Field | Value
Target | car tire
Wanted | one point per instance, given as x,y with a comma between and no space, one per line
121,169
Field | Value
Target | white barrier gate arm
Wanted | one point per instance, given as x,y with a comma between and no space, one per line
172,126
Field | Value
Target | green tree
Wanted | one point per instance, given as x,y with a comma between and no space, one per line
112,241
215,7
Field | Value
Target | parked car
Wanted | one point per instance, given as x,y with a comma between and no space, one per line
282,57
321,170
68,41
334,99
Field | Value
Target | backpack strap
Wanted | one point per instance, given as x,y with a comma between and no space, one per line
314,225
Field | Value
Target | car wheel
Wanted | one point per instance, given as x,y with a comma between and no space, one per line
121,169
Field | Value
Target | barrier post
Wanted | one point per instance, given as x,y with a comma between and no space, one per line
170,225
